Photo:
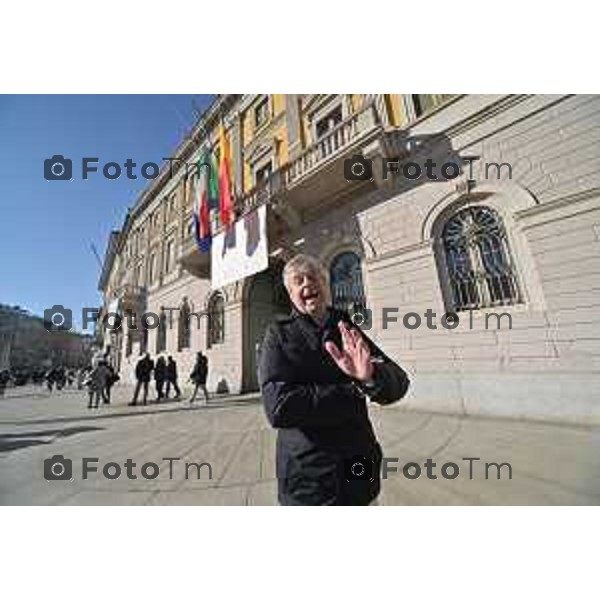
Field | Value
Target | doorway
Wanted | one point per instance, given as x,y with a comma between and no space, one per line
266,301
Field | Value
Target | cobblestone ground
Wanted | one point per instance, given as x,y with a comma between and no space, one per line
551,464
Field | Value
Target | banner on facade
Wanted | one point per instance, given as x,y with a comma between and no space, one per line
113,306
242,251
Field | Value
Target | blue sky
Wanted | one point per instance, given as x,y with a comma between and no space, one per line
47,227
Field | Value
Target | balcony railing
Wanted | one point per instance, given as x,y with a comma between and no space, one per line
333,142
339,139
258,195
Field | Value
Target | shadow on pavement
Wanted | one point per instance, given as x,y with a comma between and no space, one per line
139,410
15,441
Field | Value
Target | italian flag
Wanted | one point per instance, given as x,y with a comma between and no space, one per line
201,210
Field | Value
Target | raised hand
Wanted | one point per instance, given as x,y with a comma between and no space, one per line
354,358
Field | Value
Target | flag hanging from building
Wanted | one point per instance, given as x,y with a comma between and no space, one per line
202,228
226,210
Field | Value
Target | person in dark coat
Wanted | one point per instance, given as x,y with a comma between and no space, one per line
4,379
60,378
160,376
111,379
143,371
51,378
172,378
316,372
199,375
96,383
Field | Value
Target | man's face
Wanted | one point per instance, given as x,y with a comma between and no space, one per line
308,292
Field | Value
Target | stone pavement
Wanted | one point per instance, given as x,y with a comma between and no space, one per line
551,463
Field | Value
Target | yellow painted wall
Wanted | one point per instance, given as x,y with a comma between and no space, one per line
278,103
247,176
396,111
277,106
282,135
356,101
247,126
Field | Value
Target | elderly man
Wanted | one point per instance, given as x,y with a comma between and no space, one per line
316,371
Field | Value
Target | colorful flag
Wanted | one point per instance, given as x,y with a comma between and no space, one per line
201,210
226,210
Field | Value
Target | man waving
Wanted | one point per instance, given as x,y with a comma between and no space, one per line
316,371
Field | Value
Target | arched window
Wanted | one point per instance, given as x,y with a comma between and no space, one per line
345,276
184,337
161,333
478,260
216,320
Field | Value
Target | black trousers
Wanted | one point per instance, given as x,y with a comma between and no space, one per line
175,387
94,395
106,393
138,386
201,386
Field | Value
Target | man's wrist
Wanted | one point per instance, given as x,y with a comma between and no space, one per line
369,383
368,386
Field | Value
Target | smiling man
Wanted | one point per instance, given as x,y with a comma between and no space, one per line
316,372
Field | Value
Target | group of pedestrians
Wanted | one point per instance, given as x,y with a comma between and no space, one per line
99,378
58,377
165,377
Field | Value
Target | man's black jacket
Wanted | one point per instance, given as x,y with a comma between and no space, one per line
143,369
320,412
172,370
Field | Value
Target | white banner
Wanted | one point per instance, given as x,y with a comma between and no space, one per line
242,251
113,306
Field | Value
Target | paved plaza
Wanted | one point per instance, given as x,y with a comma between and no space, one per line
551,463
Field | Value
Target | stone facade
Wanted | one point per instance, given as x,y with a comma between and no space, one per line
547,365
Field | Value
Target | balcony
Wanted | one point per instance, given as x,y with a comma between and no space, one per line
316,176
192,260
312,180
346,135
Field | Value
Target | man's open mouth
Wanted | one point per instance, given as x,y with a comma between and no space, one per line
310,295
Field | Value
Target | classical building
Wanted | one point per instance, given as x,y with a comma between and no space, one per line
515,232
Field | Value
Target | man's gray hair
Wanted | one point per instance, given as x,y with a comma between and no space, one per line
302,263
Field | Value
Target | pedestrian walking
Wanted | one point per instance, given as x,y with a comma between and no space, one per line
143,371
96,383
51,378
111,379
160,376
199,375
60,378
172,378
